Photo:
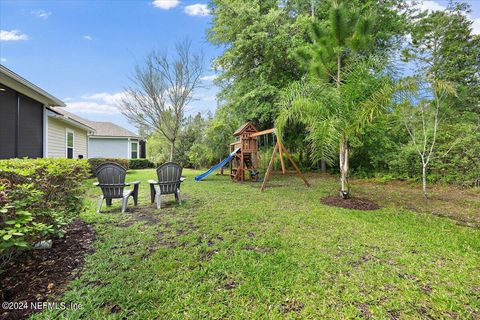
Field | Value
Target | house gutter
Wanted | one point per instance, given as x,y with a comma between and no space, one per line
25,87
60,117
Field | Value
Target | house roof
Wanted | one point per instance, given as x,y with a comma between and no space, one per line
102,129
62,115
25,87
109,129
248,126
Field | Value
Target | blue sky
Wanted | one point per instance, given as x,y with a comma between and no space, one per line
83,51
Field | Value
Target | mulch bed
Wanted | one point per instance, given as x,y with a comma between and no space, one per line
36,275
350,203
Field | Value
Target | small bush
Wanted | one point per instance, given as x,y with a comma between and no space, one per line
96,162
141,164
38,197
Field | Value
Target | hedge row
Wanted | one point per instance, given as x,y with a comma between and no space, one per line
126,163
96,162
141,164
38,197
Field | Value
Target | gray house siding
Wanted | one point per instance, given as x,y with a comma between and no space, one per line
108,148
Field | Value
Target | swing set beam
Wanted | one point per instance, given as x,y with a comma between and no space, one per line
279,147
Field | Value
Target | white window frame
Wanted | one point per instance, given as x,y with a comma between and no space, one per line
67,131
131,150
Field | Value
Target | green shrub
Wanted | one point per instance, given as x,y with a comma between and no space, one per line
140,164
96,162
38,197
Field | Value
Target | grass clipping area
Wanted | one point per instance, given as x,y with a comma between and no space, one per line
230,251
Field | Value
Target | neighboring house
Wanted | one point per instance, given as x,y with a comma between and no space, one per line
67,135
112,141
23,124
33,124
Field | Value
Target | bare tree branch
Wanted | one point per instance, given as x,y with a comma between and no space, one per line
161,89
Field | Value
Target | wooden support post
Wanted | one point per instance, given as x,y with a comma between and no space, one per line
280,153
270,165
242,164
293,163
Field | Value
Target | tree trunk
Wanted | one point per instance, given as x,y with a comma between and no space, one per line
323,166
424,180
172,148
345,187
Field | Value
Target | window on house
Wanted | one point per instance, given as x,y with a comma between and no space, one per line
134,150
70,144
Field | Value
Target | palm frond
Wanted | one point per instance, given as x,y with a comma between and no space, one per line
445,88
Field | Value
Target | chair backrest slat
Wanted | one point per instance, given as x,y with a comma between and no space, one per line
111,177
169,172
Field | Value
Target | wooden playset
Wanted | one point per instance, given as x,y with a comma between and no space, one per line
244,153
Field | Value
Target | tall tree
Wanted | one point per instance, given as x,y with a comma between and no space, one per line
344,90
162,87
260,38
423,117
444,47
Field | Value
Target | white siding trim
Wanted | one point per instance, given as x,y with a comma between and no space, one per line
67,131
131,149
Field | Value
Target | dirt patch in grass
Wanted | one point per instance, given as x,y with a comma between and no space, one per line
35,275
350,203
257,249
457,203
166,243
394,314
207,255
364,311
292,306
230,285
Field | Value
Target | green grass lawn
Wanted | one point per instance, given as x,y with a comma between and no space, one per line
230,251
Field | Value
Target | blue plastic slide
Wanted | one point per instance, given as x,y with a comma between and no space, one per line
217,166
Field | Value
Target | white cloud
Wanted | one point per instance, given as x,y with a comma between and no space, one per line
14,35
97,103
92,107
197,9
3,60
67,99
430,6
87,37
205,96
41,13
108,98
209,78
476,26
165,4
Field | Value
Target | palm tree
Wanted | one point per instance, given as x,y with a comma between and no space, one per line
344,91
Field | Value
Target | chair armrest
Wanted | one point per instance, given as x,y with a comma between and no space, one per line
182,179
111,185
152,182
134,183
96,184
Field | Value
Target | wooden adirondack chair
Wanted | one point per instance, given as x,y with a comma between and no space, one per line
111,179
169,179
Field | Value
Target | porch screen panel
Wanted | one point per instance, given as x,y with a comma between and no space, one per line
30,142
8,118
